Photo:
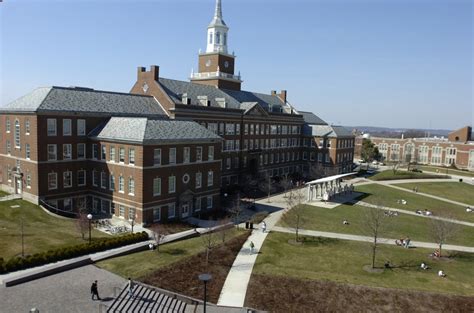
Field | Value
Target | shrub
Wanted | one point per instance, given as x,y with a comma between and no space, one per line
50,256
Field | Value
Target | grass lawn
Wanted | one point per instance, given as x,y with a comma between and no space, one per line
389,175
141,264
386,196
455,191
330,220
343,261
41,230
442,170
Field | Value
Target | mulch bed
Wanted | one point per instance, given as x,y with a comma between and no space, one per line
282,294
182,277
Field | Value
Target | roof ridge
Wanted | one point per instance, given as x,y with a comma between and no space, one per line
86,89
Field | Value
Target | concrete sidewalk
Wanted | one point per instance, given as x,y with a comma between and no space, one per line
235,286
418,244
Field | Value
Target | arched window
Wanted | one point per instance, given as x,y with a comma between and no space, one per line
210,37
218,38
17,133
225,39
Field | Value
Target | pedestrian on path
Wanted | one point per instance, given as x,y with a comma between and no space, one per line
251,247
264,226
94,290
130,287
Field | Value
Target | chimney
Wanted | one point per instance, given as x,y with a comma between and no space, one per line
273,92
282,95
140,70
155,72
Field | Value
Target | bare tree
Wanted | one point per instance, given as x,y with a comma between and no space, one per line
209,240
226,225
285,183
266,185
294,215
159,233
442,231
375,223
235,211
82,224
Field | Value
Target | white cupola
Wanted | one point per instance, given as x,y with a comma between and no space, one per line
217,32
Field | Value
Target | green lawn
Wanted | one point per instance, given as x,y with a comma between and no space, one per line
455,191
386,196
330,220
401,174
41,230
444,170
343,261
142,263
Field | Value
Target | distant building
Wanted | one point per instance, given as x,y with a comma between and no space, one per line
165,150
457,149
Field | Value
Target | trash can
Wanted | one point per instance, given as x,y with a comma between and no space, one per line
247,225
251,225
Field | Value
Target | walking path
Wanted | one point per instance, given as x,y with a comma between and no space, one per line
235,286
387,241
369,205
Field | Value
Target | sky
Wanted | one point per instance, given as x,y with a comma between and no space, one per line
389,63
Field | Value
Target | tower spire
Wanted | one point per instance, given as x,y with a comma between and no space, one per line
218,12
217,32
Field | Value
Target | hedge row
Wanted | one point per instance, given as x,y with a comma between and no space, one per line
19,263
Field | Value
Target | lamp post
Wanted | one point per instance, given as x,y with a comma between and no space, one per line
89,217
205,278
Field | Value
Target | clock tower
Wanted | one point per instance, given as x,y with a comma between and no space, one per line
216,65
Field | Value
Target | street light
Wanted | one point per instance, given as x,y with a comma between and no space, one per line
205,278
89,217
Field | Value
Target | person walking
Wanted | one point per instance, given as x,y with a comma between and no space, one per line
251,247
264,226
130,287
94,290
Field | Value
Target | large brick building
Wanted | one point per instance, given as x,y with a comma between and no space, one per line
457,149
165,149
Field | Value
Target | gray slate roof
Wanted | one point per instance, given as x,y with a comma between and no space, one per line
234,99
330,131
311,118
84,100
148,131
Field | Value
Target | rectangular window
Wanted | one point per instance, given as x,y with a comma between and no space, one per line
103,155
171,210
51,127
186,155
95,177
157,157
198,179
198,154
121,211
81,178
103,180
81,150
237,129
112,154
246,129
66,127
228,163
197,205
122,155
52,181
172,184
131,156
52,153
7,125
210,178
157,186
229,129
111,182
209,202
17,134
81,127
27,126
27,151
210,153
172,156
67,179
95,151
156,214
9,147
121,184
131,186
67,151
28,180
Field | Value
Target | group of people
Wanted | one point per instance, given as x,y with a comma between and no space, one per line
390,213
415,189
95,289
424,267
469,209
402,201
404,242
425,212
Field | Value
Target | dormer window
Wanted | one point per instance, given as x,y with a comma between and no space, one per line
210,37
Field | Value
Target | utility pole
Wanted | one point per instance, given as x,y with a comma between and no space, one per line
22,239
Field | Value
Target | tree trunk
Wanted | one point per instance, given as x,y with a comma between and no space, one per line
374,249
440,246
